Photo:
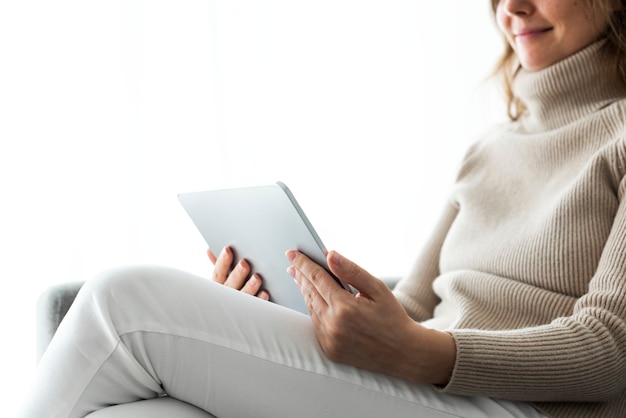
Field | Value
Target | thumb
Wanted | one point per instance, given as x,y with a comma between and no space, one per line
350,273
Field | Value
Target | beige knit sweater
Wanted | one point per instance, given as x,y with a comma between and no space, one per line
527,266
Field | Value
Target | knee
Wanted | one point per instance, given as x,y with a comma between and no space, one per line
114,281
147,286
122,287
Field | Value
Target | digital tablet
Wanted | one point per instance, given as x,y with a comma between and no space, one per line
259,224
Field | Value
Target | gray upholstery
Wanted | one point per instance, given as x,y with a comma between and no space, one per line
52,306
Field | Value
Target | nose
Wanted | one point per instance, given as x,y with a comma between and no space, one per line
517,7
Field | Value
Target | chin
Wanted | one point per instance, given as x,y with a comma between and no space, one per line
535,65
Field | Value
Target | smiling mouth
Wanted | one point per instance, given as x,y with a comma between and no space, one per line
529,34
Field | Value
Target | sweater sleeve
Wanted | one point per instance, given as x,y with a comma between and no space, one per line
581,357
415,291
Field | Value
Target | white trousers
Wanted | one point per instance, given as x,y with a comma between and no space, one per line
142,332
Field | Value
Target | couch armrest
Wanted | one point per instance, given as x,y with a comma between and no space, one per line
391,282
52,306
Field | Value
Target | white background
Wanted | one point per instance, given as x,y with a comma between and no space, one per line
108,109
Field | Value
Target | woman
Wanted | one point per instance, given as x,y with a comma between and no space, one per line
517,302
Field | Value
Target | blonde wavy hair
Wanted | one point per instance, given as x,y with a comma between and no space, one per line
614,50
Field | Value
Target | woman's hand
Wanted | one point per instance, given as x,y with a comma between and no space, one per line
237,277
370,330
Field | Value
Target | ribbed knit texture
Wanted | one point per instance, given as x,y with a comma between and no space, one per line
527,267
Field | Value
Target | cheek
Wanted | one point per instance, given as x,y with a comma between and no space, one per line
592,31
500,19
503,19
503,23
586,25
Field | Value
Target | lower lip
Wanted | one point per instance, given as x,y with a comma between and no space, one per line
531,35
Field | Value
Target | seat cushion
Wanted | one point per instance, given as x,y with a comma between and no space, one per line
152,408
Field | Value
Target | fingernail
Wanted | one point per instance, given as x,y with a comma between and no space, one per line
292,271
291,255
336,258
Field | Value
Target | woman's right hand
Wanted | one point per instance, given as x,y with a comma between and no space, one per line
236,277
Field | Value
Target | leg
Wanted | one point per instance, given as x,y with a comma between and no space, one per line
138,333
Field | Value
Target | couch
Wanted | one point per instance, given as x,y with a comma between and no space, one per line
52,306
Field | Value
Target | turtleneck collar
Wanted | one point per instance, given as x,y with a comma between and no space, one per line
568,90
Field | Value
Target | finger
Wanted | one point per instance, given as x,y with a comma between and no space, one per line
222,266
253,287
350,273
211,256
313,278
263,294
239,275
314,302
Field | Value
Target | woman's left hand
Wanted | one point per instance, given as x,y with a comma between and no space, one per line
370,330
